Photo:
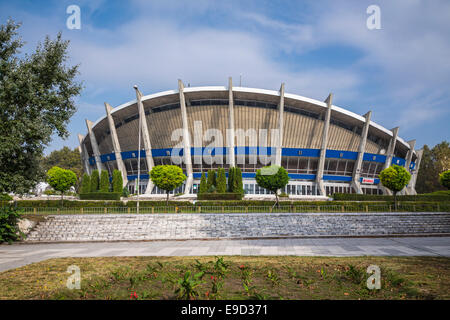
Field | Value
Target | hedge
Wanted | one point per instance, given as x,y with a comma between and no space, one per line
100,196
220,196
370,197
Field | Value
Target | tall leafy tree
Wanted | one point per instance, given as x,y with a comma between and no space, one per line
221,181
444,178
61,180
203,186
65,158
395,178
85,184
231,178
104,181
434,161
36,101
167,177
211,180
95,181
117,181
272,178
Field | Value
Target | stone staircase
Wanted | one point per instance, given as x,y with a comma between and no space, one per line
133,227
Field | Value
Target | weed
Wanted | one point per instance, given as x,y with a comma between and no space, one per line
355,275
273,277
187,286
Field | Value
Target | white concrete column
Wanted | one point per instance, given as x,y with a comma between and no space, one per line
115,143
412,144
94,145
186,139
391,148
412,183
84,155
230,138
146,139
279,143
319,177
356,184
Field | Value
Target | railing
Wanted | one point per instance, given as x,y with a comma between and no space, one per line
346,208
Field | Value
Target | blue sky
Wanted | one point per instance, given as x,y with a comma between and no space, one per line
400,72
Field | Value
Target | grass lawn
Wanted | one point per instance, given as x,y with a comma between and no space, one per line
230,277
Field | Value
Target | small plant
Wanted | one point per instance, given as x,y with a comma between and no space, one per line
246,275
355,275
273,277
133,296
220,266
216,286
188,285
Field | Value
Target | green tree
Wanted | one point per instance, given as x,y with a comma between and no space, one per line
104,181
64,158
211,181
434,161
117,181
231,178
272,178
95,181
203,186
444,178
221,181
85,184
61,180
167,177
36,102
238,185
395,178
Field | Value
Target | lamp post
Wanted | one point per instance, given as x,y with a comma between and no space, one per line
139,148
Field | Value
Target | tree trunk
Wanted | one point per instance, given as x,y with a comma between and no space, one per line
276,197
395,200
167,200
62,199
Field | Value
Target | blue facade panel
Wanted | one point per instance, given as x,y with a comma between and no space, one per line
374,157
108,157
350,155
337,178
398,161
300,152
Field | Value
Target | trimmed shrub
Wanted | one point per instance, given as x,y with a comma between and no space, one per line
95,181
85,184
117,181
239,187
203,185
370,197
220,196
125,192
100,196
211,180
9,229
221,183
231,179
104,181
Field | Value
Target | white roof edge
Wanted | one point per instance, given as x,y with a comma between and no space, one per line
254,90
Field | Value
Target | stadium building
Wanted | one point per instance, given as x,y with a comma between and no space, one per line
324,148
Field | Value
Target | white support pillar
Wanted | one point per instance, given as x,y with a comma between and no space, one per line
146,139
391,148
230,139
279,143
186,140
116,145
412,144
84,155
319,177
94,145
412,183
356,184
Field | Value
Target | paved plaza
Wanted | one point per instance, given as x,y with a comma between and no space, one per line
137,227
17,255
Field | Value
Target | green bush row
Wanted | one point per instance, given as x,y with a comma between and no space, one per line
100,196
220,196
370,197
